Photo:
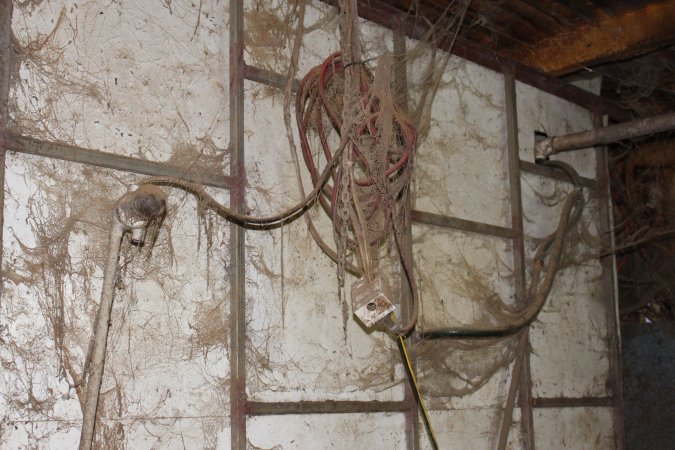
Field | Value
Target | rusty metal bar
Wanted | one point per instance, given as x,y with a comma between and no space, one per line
412,434
237,237
268,78
516,375
5,78
5,59
578,402
609,293
526,401
467,226
545,147
514,167
543,171
401,65
515,195
325,407
72,153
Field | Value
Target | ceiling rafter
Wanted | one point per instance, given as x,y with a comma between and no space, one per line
610,37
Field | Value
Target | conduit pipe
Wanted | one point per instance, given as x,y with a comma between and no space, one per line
547,146
133,212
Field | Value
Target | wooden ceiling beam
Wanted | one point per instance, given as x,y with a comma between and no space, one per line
624,35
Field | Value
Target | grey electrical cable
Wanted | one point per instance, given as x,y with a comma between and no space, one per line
536,294
245,220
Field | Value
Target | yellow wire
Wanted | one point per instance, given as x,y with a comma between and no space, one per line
419,394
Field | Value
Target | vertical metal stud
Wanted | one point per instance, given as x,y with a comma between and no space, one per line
609,292
527,422
5,72
238,236
400,84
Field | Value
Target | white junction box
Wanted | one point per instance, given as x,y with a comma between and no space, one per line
370,301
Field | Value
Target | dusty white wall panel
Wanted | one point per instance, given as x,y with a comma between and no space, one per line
470,429
167,347
460,168
335,431
461,172
304,343
136,78
459,275
570,348
269,41
574,428
569,339
570,344
49,435
458,377
457,272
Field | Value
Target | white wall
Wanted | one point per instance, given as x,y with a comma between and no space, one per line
149,79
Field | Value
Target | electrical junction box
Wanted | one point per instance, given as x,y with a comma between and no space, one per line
370,301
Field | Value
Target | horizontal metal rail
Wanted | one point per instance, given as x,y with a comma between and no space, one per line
573,402
268,78
326,407
66,152
468,226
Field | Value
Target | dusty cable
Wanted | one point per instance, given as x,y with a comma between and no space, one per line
537,292
245,220
288,91
381,146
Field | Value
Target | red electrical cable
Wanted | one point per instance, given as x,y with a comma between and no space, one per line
383,178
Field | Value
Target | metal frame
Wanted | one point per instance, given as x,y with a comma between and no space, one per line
609,290
400,78
522,379
403,26
238,234
5,68
72,153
